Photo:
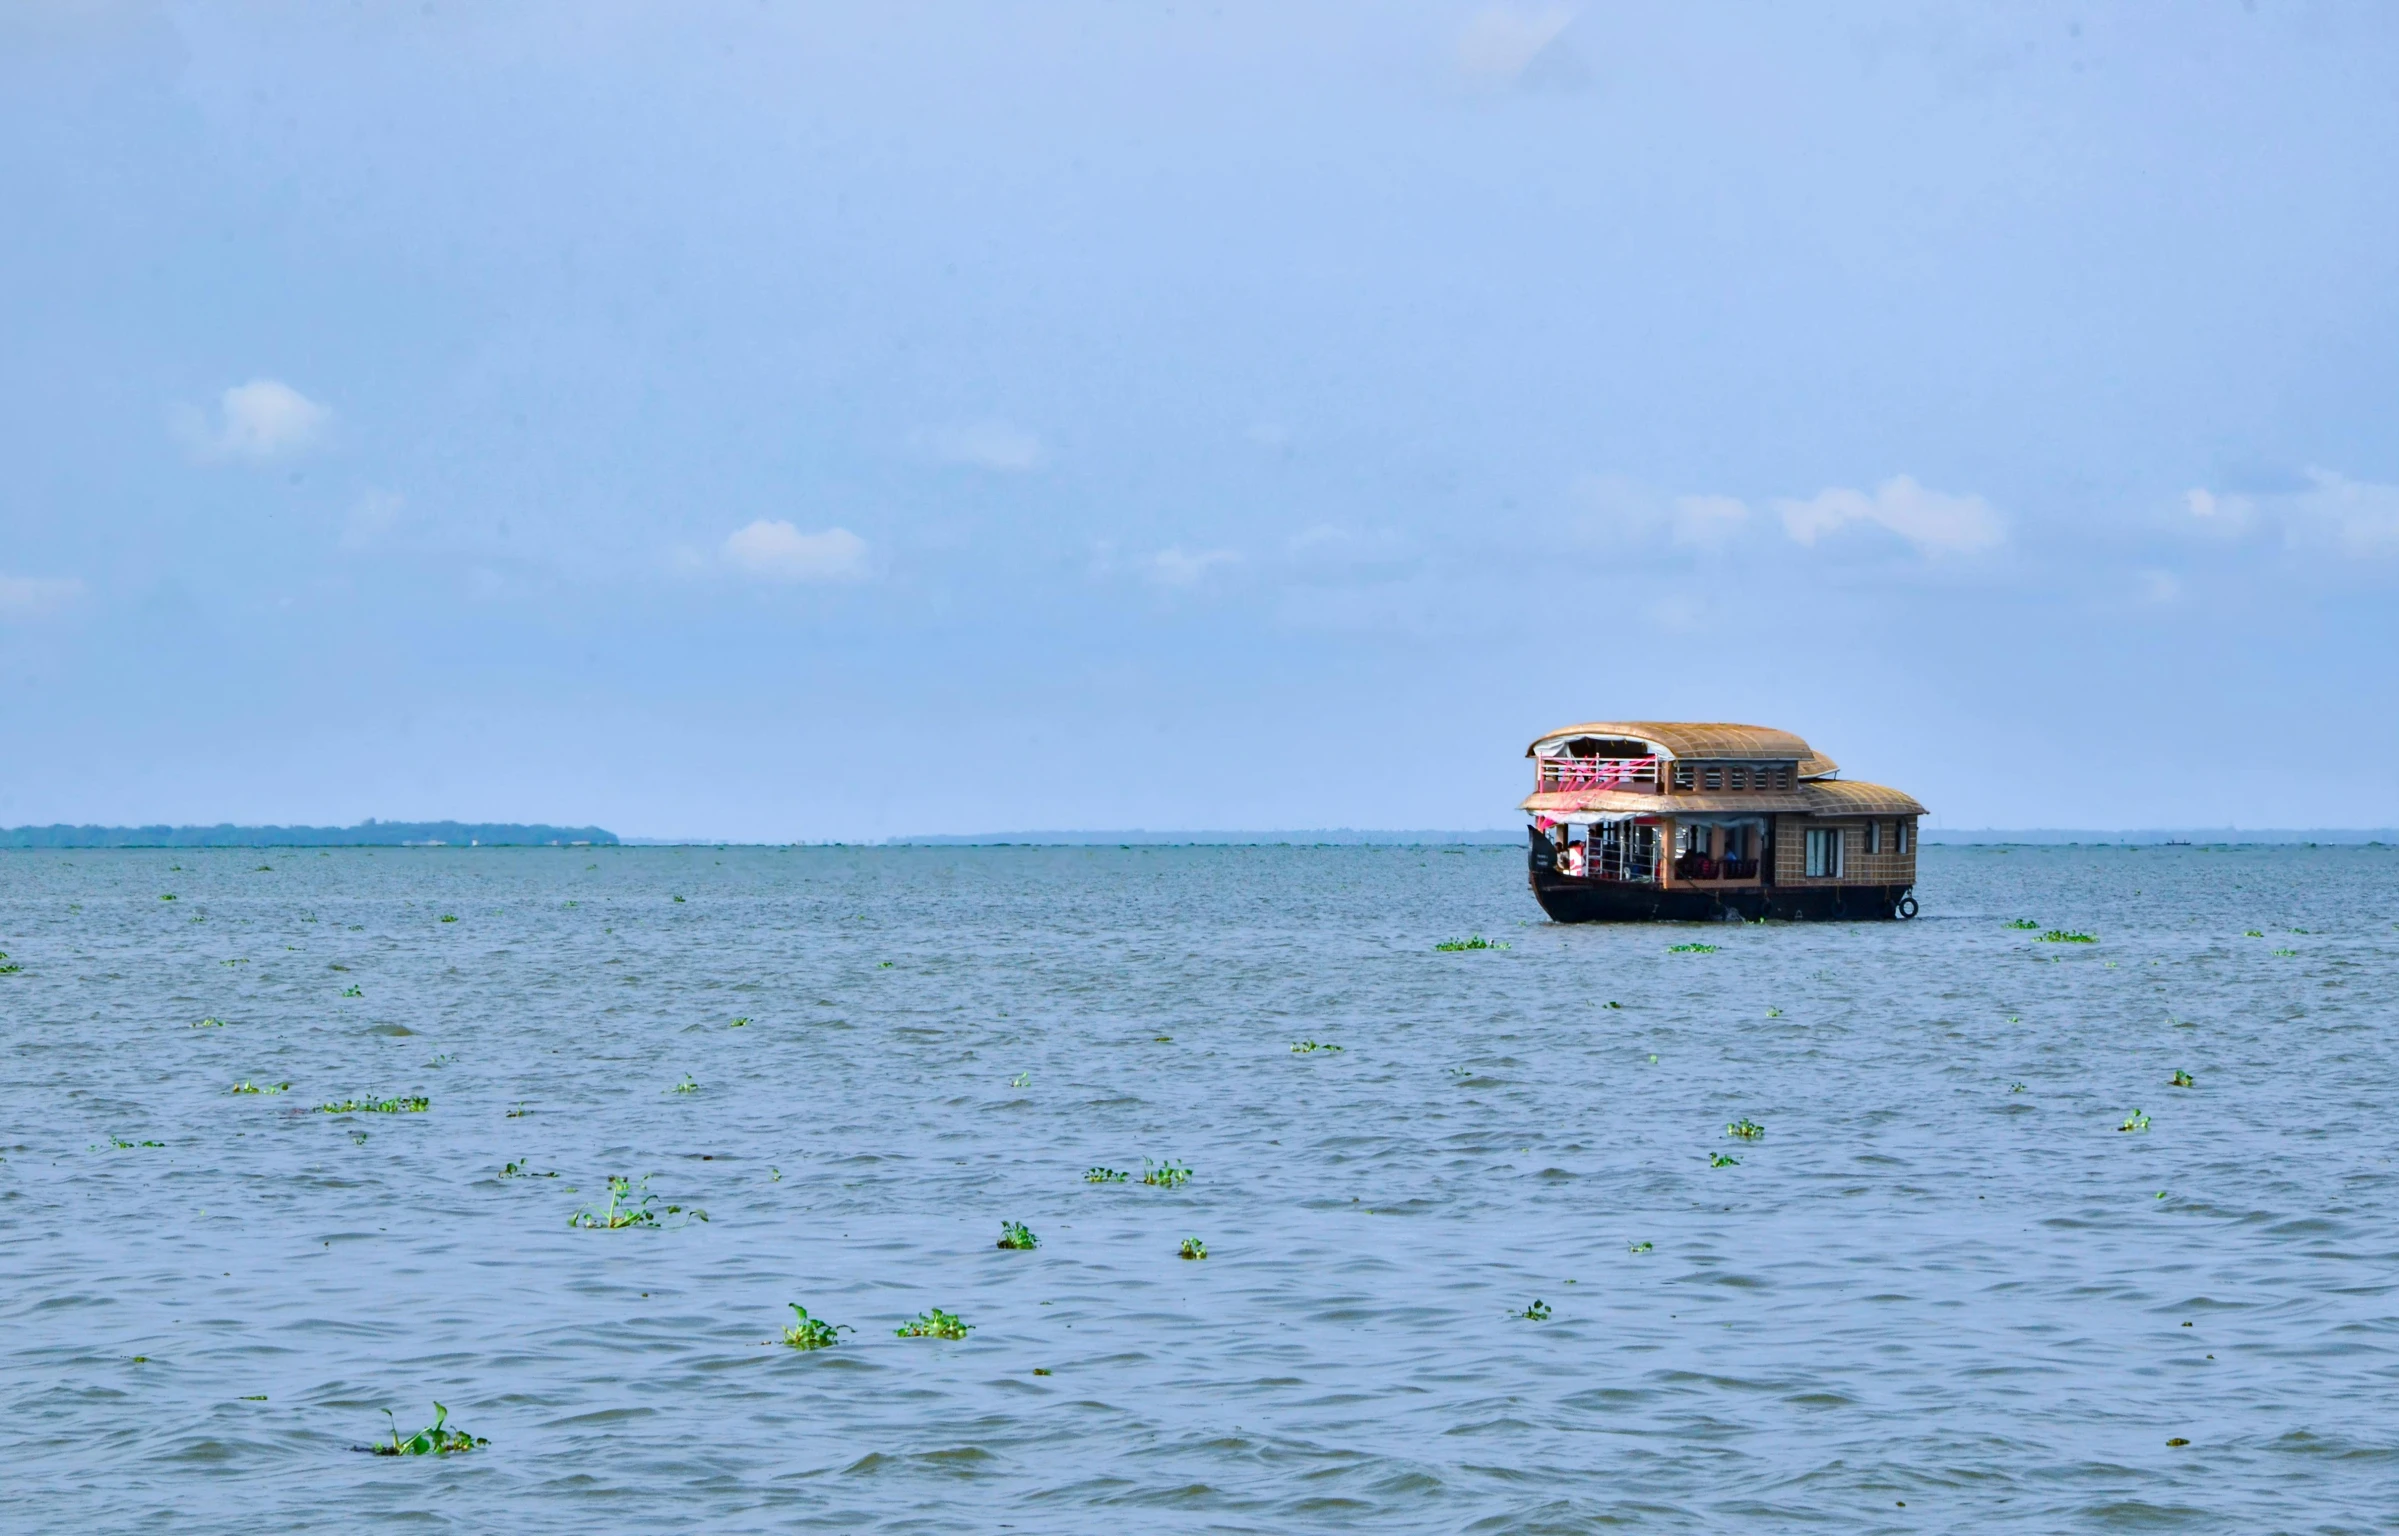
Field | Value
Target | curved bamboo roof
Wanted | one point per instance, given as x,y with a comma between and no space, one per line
1719,740
1850,797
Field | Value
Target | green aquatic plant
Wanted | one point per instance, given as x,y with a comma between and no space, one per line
433,1440
1021,1080
1745,1128
1615,1005
168,896
739,1024
520,1112
2015,1087
414,1105
352,991
2136,1121
2182,1079
449,917
678,901
8,967
246,1086
1774,1013
122,1145
523,1171
1192,1248
1015,1234
2024,923
209,1023
1690,949
2253,933
1639,1247
629,1203
1723,1160
1104,1176
2067,936
689,1084
1162,1039
883,966
813,1332
935,1324
1166,1175
1538,1312
2286,952
1476,941
1310,1047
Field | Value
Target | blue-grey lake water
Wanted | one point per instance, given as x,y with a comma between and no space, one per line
1942,1290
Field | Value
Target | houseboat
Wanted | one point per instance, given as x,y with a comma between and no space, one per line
1654,819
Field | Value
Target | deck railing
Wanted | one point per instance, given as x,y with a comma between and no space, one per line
1639,774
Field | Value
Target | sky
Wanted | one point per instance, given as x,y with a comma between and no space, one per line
788,422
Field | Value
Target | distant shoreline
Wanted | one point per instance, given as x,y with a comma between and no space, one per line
367,834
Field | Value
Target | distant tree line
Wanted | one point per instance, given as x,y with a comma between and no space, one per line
367,834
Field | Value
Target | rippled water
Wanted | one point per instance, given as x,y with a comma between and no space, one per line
1921,1284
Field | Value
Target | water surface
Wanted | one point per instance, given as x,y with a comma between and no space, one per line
1942,1290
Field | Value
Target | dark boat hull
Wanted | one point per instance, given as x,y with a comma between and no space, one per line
1568,900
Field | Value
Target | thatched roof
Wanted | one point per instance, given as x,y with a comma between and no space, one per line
1849,797
1714,740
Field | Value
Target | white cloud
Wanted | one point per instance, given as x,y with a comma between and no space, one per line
994,445
1498,41
25,598
1934,521
2324,510
1179,567
261,420
777,551
371,517
1708,522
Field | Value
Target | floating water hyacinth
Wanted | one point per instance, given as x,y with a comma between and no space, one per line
1774,1013
523,1171
2025,923
1165,1175
1639,1247
415,1105
1015,1234
1192,1248
1745,1128
246,1086
1105,1176
1538,1312
122,1145
2067,936
449,917
1723,1160
2253,933
2286,952
2182,1079
813,1332
1021,1080
433,1440
629,1206
1310,1047
211,1023
738,1024
935,1324
2136,1121
1476,941
688,1085
1690,949
167,896
2015,1087
352,991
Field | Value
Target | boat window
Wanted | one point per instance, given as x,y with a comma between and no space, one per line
1714,778
1683,777
1824,853
1907,836
1737,778
1874,837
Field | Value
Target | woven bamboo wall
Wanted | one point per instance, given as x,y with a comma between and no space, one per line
1858,867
